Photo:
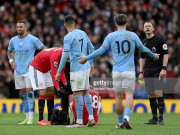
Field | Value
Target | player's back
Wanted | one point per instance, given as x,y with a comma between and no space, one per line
123,44
78,47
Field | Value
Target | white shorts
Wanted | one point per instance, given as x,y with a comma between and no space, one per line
40,80
22,81
80,80
123,80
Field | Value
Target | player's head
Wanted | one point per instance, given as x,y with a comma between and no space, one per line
69,21
21,27
121,20
148,27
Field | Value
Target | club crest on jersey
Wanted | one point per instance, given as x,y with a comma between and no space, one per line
21,43
153,49
56,64
165,46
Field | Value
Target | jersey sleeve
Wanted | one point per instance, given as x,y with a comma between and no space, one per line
107,42
137,41
11,45
38,44
90,47
67,43
164,46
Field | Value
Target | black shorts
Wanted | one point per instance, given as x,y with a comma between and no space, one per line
152,80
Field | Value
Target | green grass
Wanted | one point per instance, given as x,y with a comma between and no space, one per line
105,126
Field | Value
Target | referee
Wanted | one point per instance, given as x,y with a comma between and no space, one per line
154,72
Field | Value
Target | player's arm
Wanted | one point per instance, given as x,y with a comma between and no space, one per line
67,46
144,49
11,55
91,50
142,63
96,53
165,59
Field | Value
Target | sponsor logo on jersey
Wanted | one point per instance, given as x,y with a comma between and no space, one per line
165,46
21,43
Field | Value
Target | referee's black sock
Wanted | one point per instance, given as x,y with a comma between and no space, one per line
153,104
41,103
160,107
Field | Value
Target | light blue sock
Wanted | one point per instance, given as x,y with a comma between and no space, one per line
79,106
88,102
23,96
127,113
31,100
120,118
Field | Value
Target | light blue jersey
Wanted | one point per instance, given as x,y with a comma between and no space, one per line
76,44
24,51
123,45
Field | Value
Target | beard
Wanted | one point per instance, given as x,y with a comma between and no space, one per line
21,33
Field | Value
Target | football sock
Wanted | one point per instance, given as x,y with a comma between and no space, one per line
31,103
41,103
120,119
88,102
23,96
50,105
127,113
160,107
153,104
65,104
79,108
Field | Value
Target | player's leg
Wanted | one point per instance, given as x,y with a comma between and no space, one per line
87,98
128,107
20,85
129,85
149,84
76,84
50,95
23,96
119,107
50,102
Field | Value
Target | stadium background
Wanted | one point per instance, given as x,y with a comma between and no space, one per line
45,20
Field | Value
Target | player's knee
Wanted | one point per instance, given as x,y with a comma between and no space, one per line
151,95
159,94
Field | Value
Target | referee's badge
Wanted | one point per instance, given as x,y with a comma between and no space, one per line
165,46
153,49
21,43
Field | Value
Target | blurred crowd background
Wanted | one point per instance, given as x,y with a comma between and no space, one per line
95,17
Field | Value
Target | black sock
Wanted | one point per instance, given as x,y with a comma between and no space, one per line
153,104
50,105
41,103
65,104
160,107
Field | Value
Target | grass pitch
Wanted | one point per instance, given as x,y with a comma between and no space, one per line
105,126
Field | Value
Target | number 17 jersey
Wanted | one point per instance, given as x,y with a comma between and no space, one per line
123,45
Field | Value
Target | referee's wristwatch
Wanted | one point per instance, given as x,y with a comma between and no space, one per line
164,67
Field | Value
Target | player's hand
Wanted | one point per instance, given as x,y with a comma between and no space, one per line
92,71
82,60
157,57
141,76
13,65
57,77
162,73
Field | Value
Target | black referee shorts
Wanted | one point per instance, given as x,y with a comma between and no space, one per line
152,80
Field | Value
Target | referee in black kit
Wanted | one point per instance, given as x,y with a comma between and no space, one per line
154,72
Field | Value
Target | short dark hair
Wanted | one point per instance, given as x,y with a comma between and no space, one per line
148,21
22,21
121,19
69,20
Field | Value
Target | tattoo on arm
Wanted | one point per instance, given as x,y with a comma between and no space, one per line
11,55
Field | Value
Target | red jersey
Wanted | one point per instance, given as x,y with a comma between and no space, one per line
47,60
95,103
